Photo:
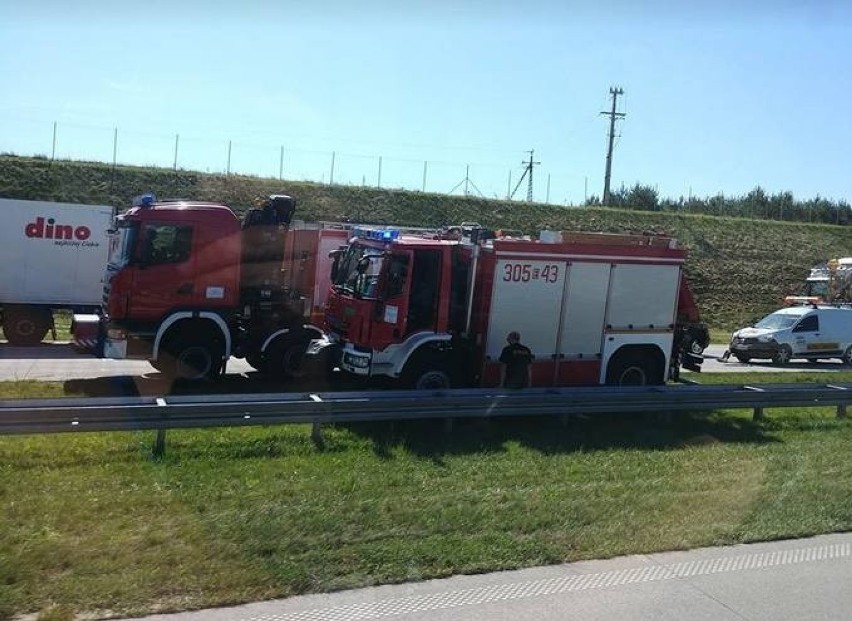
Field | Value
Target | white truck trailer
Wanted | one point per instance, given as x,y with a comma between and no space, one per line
52,257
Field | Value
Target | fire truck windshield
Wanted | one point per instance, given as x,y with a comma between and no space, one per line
359,271
816,288
121,242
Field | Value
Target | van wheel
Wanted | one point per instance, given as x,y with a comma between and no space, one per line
783,356
26,326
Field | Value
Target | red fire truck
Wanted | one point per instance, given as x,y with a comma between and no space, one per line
434,311
188,285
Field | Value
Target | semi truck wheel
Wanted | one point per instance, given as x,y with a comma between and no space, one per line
26,326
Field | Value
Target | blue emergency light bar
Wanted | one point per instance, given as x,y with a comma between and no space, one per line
144,200
383,235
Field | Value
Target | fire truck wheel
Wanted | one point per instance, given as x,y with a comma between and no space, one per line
193,360
783,356
24,326
633,369
427,373
432,379
285,357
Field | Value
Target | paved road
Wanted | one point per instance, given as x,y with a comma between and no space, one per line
795,579
713,365
58,362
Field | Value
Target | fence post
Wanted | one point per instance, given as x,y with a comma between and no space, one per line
379,184
758,414
841,411
53,150
177,139
114,155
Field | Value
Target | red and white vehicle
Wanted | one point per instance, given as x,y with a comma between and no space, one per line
188,285
433,311
52,257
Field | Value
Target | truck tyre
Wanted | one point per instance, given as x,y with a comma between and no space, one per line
284,357
633,369
192,359
694,346
26,326
783,356
428,373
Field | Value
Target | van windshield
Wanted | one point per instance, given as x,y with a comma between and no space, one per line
777,321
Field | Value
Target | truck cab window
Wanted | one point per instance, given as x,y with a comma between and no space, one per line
163,244
397,275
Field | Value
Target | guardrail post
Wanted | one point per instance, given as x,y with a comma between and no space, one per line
758,414
316,435
841,410
448,425
160,444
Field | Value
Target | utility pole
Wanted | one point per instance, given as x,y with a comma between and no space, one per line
613,115
528,172
530,182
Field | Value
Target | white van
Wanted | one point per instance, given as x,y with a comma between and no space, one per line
810,332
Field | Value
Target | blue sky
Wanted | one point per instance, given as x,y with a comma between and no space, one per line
719,97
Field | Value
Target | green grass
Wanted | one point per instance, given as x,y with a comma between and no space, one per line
91,523
739,268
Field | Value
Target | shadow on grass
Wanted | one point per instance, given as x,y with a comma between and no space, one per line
158,385
551,435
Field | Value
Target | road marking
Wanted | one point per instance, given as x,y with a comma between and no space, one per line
566,584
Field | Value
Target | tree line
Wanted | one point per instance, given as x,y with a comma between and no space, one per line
755,204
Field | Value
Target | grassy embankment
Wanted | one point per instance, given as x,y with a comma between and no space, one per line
92,524
739,268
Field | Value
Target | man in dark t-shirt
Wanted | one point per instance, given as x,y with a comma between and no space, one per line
516,358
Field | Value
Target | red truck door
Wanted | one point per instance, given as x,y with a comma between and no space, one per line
164,277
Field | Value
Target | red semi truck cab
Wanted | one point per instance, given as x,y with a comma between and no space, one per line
433,311
188,285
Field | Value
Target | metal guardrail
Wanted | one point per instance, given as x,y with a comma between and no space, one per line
137,413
